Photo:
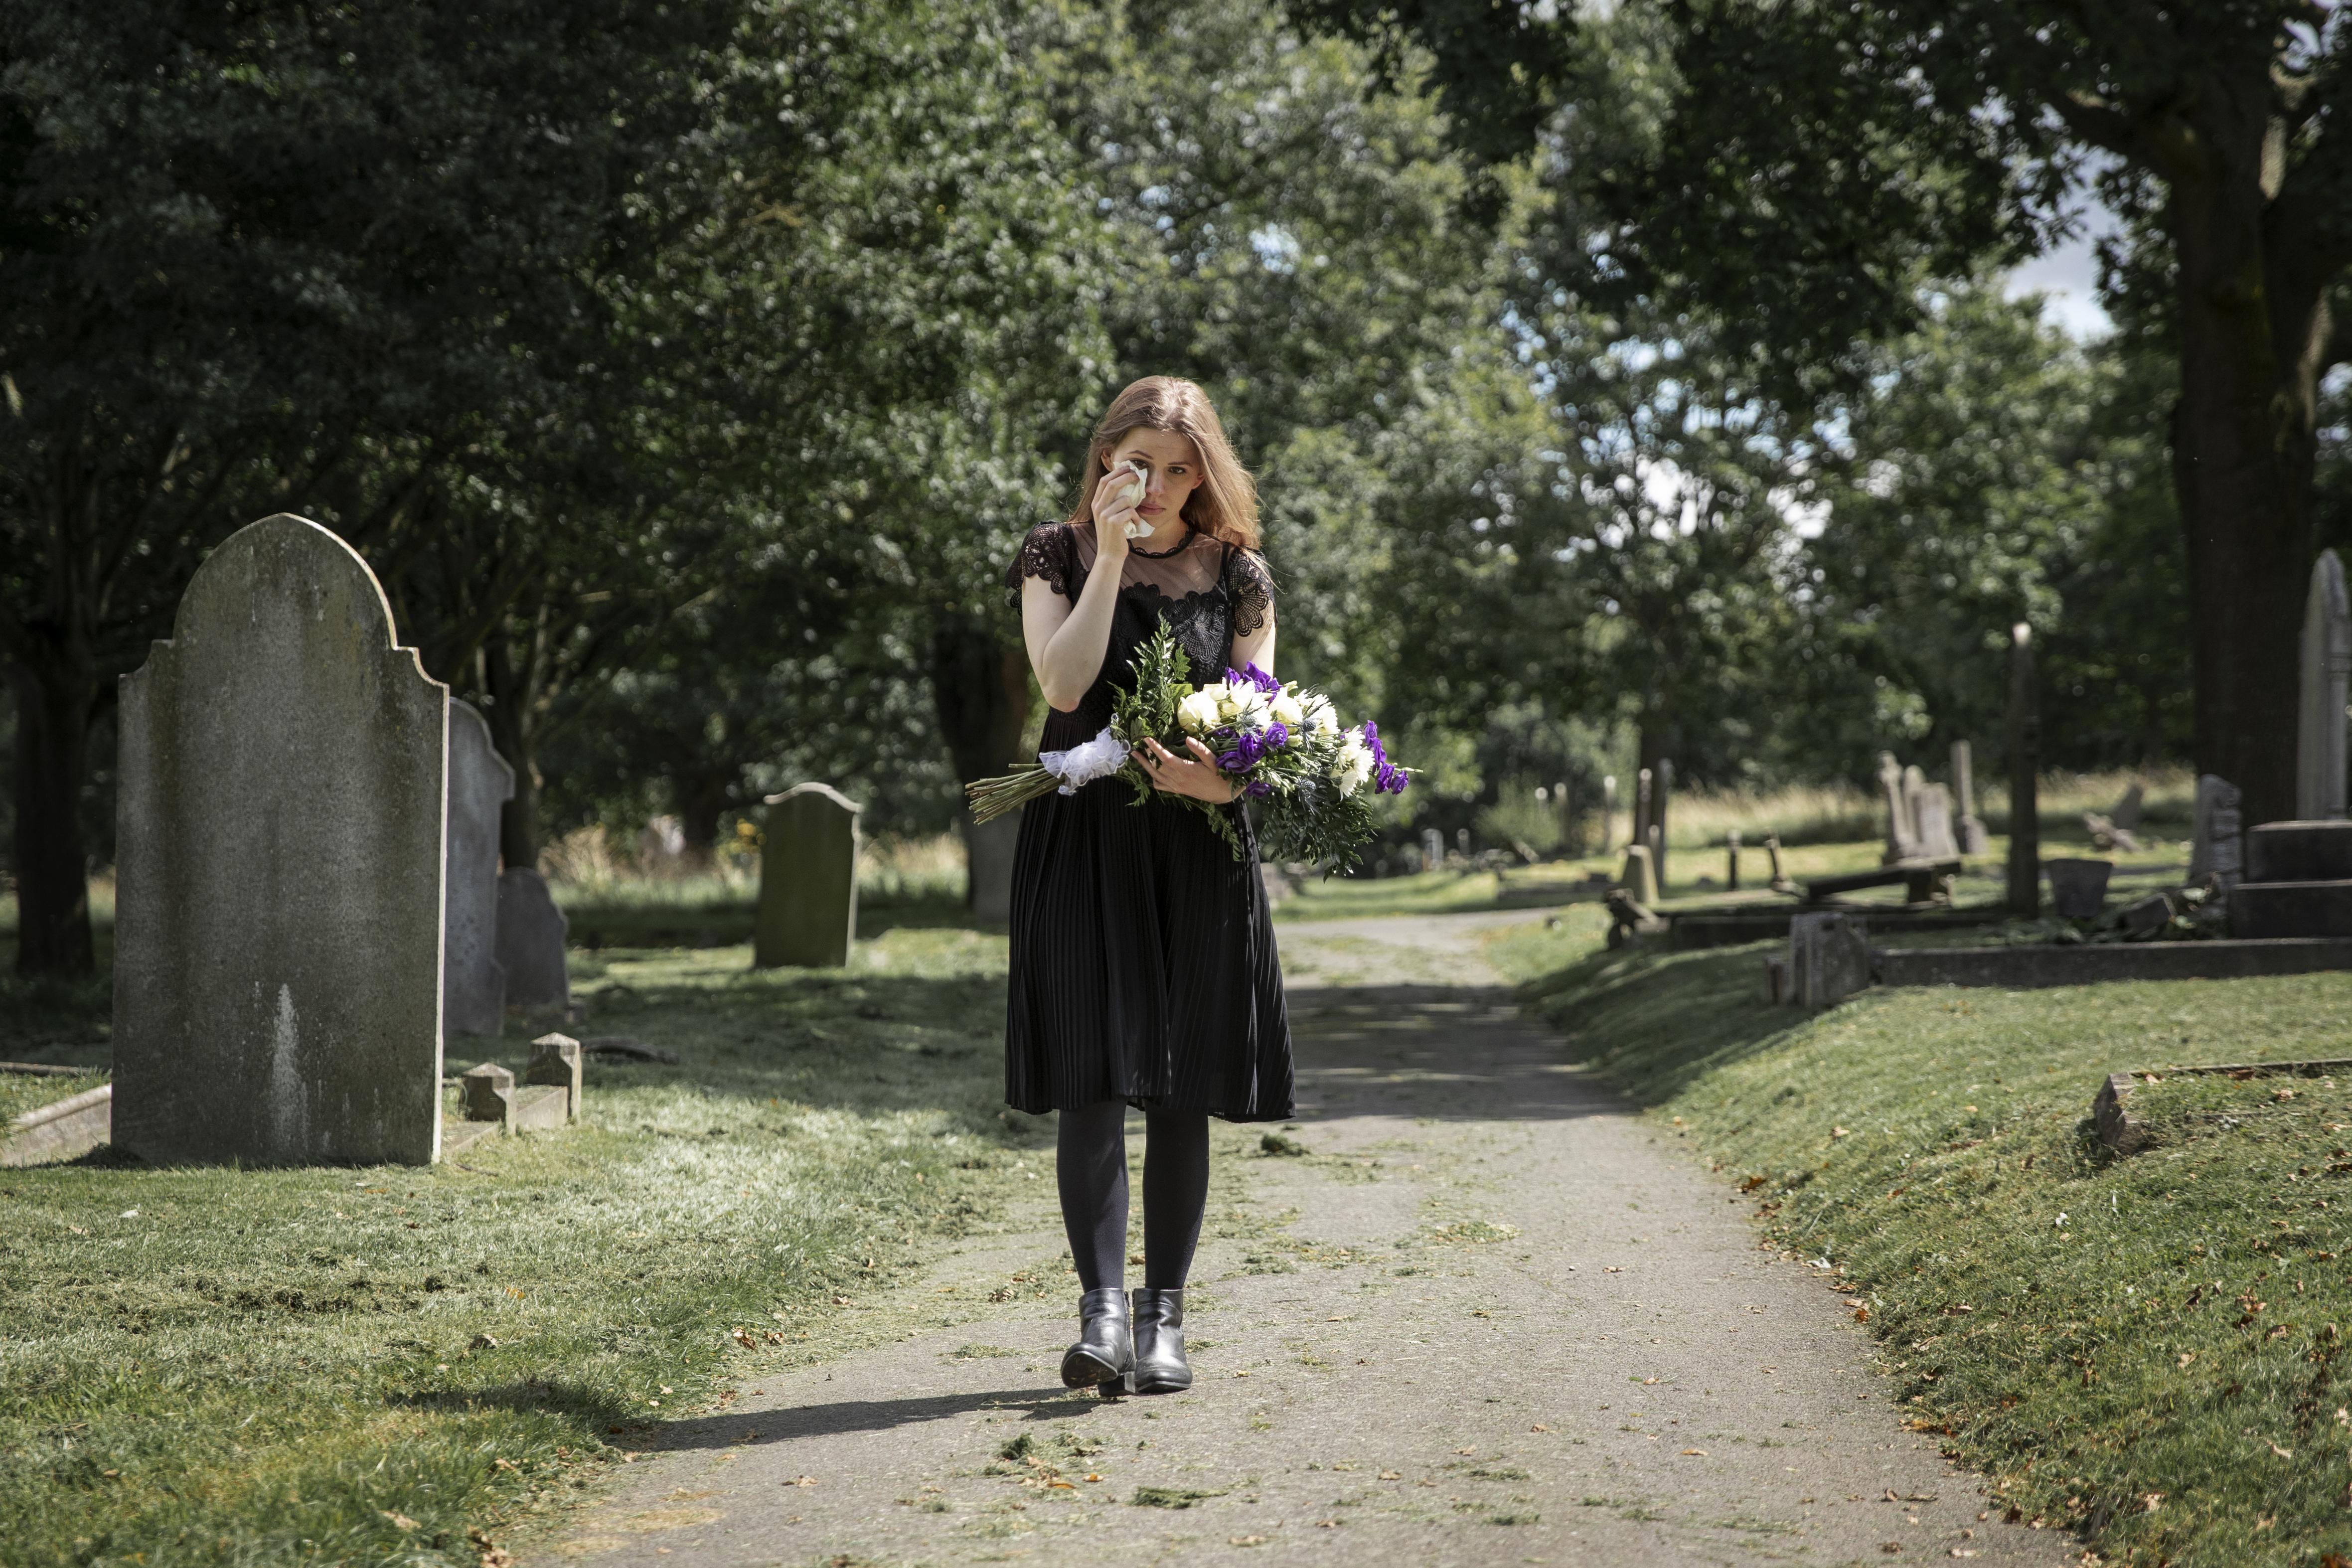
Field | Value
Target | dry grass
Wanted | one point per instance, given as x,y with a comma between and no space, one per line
1838,812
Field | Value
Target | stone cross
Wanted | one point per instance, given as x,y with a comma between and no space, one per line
531,931
2327,672
1974,840
280,865
808,880
473,982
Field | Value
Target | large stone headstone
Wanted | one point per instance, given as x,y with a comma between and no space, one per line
530,941
1829,959
473,982
2327,676
278,901
808,880
1931,818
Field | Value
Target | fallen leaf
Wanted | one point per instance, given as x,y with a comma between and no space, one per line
2188,1356
133,1214
399,1521
1093,1478
1840,1133
841,1300
1465,1450
1326,1524
1391,1475
504,1464
77,1230
2282,1453
1244,1373
743,1337
1249,1541
802,1481
1612,1270
2150,1501
1538,1427
1695,1453
1861,1314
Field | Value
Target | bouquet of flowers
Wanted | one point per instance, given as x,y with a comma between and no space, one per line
1314,780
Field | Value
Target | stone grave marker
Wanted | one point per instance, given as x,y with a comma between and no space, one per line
2219,850
558,1060
1433,850
1829,958
1900,844
1640,877
1608,811
530,941
808,880
1931,817
1974,840
473,982
1662,788
2326,681
1731,860
2024,776
279,898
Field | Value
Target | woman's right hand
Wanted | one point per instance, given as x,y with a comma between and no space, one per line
1113,509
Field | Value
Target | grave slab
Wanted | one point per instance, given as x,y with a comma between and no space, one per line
2091,964
281,860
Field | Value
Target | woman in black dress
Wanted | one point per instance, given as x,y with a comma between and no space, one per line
1143,969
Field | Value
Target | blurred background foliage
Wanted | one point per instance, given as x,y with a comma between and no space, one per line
690,374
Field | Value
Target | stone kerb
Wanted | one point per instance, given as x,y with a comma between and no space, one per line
474,985
808,880
278,914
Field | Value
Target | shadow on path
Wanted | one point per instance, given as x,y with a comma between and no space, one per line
1446,1052
761,1427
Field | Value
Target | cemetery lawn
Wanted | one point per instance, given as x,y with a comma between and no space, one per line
395,1365
2150,1350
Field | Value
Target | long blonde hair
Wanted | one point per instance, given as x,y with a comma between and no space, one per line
1225,506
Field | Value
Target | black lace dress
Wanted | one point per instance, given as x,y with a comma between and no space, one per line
1143,967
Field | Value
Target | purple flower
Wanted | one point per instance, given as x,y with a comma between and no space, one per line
1278,734
1257,789
1253,676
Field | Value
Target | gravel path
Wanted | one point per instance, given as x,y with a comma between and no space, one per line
1494,1319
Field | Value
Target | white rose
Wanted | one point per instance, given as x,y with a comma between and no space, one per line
1287,711
1198,713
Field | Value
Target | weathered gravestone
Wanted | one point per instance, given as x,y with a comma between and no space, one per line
278,901
1640,877
1829,959
1901,844
1931,821
2219,850
1974,840
473,982
1433,850
530,941
2327,674
808,880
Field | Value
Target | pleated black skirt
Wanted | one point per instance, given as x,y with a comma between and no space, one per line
1143,966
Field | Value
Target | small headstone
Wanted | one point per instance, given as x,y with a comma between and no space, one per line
1608,811
473,982
1829,959
558,1060
1433,850
1899,844
530,941
2327,678
2219,850
1931,812
279,908
2129,809
2078,888
1974,840
808,880
487,1094
1639,878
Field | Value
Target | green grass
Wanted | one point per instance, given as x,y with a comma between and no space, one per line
368,1365
2088,1332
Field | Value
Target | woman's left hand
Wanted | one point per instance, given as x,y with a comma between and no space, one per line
1182,775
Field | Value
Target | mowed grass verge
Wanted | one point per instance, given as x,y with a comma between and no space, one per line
395,1365
2151,1350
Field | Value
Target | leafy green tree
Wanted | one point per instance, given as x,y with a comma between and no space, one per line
1812,164
244,253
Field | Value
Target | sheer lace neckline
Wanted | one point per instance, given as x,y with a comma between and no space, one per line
1184,539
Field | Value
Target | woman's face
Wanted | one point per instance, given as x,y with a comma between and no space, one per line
1172,470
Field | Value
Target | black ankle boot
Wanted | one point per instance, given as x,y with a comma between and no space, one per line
1106,1349
1159,1363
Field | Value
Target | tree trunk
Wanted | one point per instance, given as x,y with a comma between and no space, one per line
53,710
507,708
979,687
2252,327
699,797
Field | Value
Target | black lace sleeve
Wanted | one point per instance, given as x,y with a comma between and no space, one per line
1251,587
1049,553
